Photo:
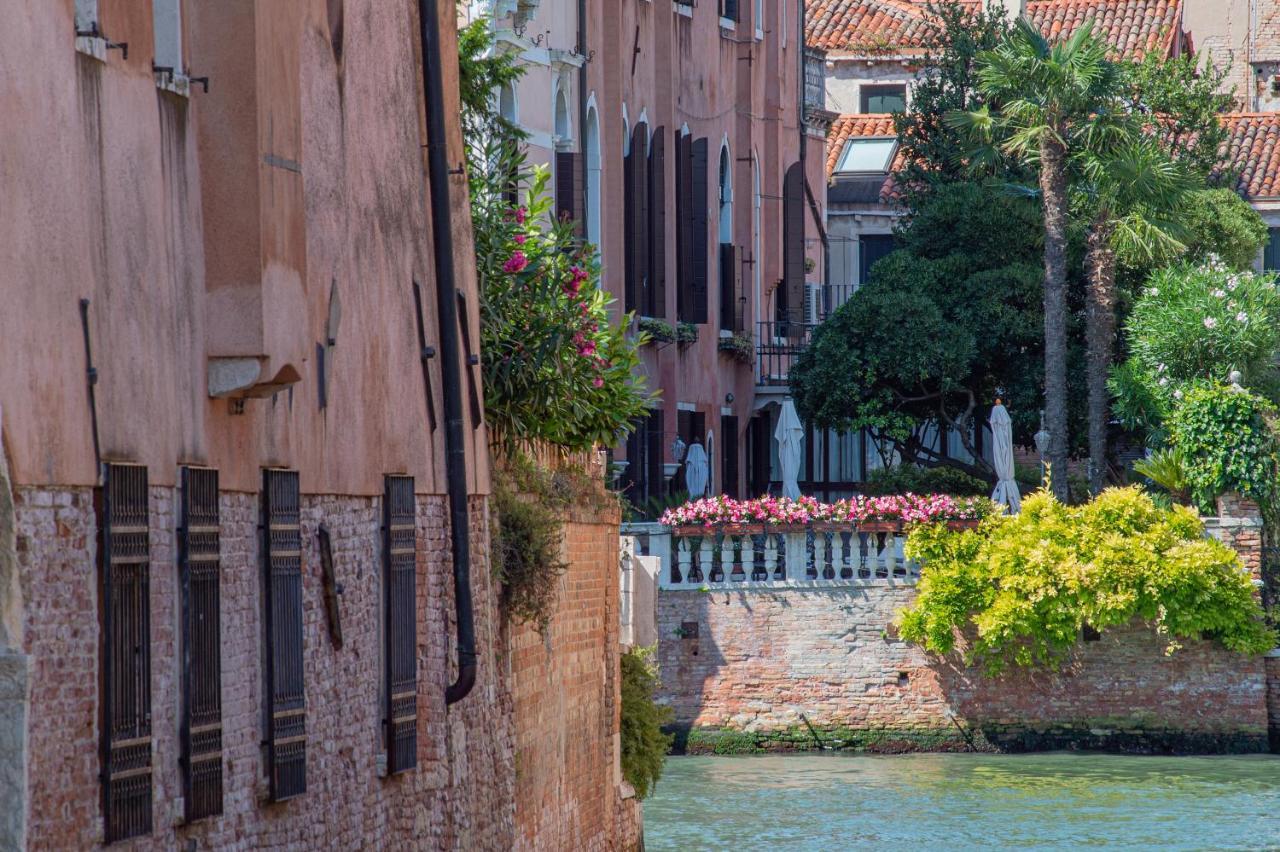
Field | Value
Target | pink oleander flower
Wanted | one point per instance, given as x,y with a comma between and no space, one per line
597,382
588,348
515,263
520,214
520,238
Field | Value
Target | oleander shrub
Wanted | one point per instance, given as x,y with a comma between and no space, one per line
644,745
1021,588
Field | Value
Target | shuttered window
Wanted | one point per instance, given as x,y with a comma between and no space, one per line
657,304
286,703
199,572
569,191
793,248
729,10
400,699
691,212
730,317
125,568
644,478
637,220
729,455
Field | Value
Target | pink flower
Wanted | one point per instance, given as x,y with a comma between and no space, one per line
520,214
597,382
588,348
520,238
515,263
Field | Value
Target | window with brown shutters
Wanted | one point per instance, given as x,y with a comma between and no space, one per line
637,220
657,305
684,190
282,568
793,248
730,315
399,601
199,568
729,455
699,266
569,189
124,574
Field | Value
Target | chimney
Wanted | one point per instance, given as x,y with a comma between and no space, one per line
1014,9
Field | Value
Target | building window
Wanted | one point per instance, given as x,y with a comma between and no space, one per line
884,99
759,19
591,144
692,185
1271,254
644,480
399,608
867,155
87,18
729,10
872,247
635,166
166,16
286,742
199,571
124,550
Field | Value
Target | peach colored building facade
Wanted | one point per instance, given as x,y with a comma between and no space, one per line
227,536
684,120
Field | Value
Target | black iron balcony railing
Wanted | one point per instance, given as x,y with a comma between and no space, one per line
778,344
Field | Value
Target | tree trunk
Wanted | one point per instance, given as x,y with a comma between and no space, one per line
1100,331
1053,188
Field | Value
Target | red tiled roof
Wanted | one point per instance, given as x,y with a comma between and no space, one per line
871,27
865,126
1254,149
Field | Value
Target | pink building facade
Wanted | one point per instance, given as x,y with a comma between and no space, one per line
693,156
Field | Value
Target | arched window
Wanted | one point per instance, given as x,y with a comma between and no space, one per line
726,196
507,107
563,123
591,145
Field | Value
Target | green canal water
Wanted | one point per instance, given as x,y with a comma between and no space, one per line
965,801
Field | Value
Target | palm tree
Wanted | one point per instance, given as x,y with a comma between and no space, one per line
1046,96
1132,186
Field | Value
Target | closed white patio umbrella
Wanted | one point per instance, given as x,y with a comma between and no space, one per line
696,469
789,434
1002,457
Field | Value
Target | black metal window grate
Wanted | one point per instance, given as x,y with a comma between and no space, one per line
399,618
200,572
286,702
125,567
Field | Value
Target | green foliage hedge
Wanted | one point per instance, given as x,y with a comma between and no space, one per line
904,479
1022,587
644,745
1226,444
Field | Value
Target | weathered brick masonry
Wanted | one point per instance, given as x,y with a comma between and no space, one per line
566,691
767,663
461,794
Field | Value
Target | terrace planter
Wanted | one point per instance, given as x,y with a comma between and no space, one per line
880,526
966,524
743,529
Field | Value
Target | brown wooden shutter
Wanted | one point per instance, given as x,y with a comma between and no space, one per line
658,225
399,587
729,455
699,266
569,189
286,701
125,574
729,287
200,569
684,232
793,247
639,234
655,484
630,292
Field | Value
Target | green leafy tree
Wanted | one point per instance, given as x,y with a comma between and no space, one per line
1044,100
1022,587
1218,222
1227,443
945,322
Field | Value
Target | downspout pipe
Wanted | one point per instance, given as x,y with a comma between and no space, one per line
450,352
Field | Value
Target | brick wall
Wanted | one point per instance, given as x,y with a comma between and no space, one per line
461,794
569,793
763,659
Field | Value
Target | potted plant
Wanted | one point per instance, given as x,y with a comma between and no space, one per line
740,346
659,331
686,333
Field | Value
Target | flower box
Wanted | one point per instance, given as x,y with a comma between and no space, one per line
880,526
963,524
743,529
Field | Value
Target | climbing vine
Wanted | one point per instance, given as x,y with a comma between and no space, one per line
1022,588
644,745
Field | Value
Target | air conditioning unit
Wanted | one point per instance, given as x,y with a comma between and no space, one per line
813,307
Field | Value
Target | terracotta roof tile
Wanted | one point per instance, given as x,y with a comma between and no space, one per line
1254,150
864,126
871,27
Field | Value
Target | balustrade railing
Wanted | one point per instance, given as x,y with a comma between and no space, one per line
766,556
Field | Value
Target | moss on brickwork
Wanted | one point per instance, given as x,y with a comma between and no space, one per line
1097,735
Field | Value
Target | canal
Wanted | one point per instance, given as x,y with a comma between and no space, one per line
965,801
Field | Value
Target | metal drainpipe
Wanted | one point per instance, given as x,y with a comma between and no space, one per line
450,356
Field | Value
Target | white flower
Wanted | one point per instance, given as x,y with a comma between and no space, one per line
1164,381
1177,394
1210,322
1241,317
1160,368
1153,291
1220,293
1233,282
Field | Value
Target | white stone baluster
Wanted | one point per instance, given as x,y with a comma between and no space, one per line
884,561
684,561
749,556
796,557
770,555
727,565
704,560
